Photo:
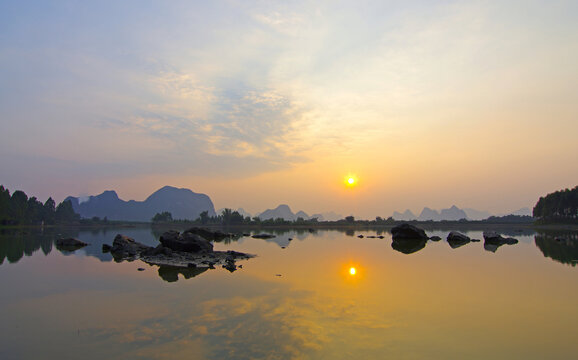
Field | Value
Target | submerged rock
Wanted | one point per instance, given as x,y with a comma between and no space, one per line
263,236
435,238
70,244
407,231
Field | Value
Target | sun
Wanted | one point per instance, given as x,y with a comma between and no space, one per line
352,271
350,180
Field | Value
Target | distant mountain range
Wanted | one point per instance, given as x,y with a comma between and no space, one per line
452,214
181,203
284,211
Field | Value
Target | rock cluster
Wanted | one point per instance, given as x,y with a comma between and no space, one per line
176,251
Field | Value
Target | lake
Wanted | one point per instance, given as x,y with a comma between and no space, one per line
297,299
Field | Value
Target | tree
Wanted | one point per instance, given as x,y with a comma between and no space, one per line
559,206
350,219
204,217
48,211
18,206
65,213
165,216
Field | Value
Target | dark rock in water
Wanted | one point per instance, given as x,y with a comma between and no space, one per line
435,238
408,232
408,246
70,244
206,233
173,262
360,236
493,240
141,269
475,240
186,242
125,248
456,239
263,236
106,248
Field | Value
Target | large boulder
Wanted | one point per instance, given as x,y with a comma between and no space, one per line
124,247
456,239
207,234
408,232
186,242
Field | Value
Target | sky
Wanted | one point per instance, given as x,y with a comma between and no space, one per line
261,103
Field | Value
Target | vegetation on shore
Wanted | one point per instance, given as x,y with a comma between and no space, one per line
558,207
19,209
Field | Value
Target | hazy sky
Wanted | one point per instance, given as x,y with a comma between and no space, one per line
257,103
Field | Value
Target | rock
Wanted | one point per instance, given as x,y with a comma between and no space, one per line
106,248
69,244
435,238
360,236
407,231
456,239
141,269
187,242
207,234
493,240
125,248
475,240
263,236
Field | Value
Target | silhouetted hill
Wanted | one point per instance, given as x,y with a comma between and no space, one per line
181,203
282,211
453,213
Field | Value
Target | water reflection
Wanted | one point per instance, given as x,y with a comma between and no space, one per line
559,246
171,273
408,246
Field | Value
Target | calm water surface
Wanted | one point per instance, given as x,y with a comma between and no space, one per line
298,302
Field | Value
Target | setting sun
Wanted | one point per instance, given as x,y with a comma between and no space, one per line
352,271
351,180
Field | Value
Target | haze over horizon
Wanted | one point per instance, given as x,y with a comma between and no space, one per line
257,104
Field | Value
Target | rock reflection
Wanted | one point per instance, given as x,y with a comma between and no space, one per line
171,273
408,246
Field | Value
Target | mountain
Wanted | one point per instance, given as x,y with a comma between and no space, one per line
181,203
453,213
282,211
429,214
474,214
328,216
406,216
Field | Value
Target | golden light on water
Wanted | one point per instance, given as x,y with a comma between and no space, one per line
352,271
